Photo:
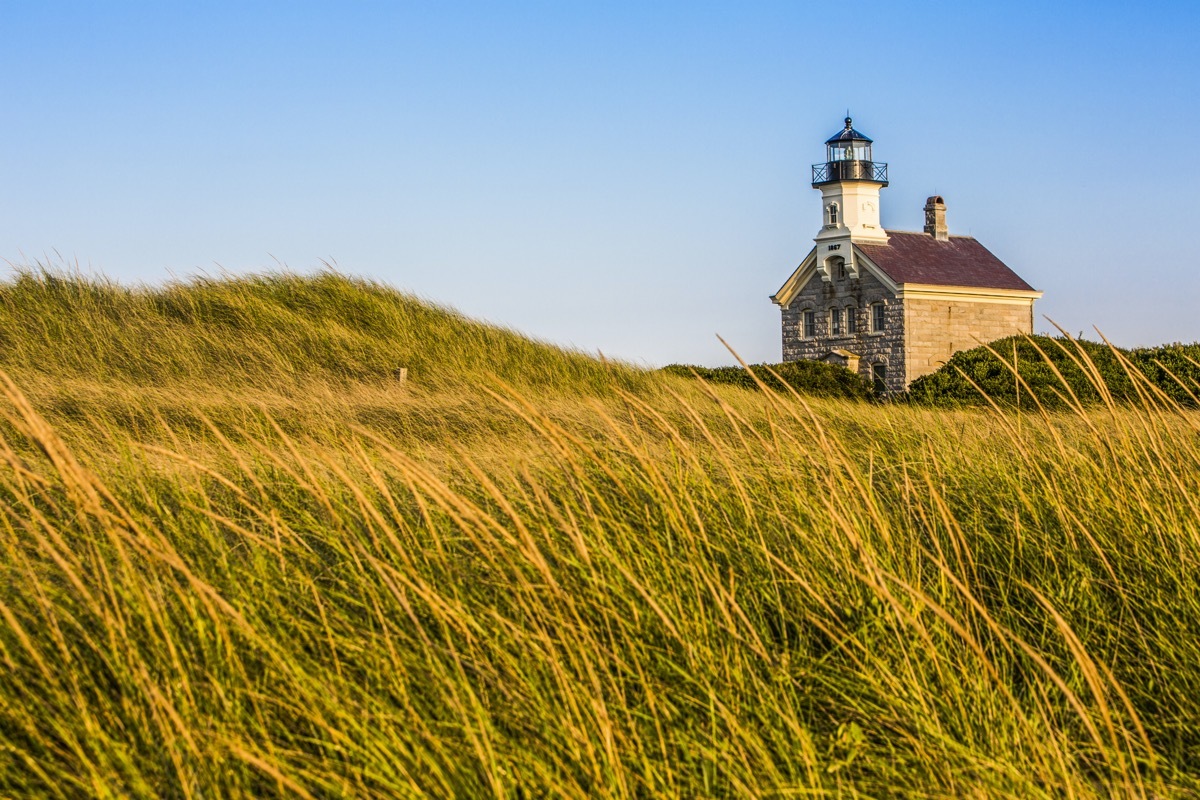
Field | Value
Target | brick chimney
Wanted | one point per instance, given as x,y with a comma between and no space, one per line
935,219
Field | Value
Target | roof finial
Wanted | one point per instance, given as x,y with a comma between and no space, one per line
848,120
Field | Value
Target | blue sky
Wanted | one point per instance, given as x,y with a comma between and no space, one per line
624,177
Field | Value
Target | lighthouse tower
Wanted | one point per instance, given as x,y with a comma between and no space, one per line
849,180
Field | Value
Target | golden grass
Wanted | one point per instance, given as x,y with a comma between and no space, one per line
565,578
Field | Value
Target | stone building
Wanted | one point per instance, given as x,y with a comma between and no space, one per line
891,305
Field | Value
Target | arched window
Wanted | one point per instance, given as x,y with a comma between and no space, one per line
833,214
835,321
810,324
835,267
851,319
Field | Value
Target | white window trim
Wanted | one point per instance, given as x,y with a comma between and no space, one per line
871,318
804,324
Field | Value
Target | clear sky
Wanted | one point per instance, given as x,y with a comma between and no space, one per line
627,177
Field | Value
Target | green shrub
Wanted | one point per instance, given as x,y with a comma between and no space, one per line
1055,369
1174,368
814,378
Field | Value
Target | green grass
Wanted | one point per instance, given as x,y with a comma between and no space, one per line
273,331
240,559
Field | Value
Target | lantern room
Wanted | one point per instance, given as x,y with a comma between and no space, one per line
848,158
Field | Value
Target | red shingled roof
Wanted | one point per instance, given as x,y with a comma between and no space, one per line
961,261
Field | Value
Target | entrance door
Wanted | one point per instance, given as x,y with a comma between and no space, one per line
879,376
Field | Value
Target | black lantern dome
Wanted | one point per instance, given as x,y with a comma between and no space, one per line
848,134
848,158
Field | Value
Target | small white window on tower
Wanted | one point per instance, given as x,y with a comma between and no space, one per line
833,214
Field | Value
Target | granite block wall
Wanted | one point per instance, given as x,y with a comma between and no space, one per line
859,294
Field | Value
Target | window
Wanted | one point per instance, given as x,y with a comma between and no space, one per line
879,377
851,320
835,267
877,317
833,214
810,324
835,321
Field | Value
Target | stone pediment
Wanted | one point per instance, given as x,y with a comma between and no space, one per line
842,358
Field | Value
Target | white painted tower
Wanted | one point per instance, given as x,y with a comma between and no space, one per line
849,181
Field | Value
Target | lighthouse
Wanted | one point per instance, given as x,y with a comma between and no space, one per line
849,180
891,305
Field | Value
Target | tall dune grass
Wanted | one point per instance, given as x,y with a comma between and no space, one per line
546,576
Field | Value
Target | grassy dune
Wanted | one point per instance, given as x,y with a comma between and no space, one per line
240,559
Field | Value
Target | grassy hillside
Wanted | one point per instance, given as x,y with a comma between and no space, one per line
240,559
278,331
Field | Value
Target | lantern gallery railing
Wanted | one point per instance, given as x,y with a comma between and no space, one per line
832,171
